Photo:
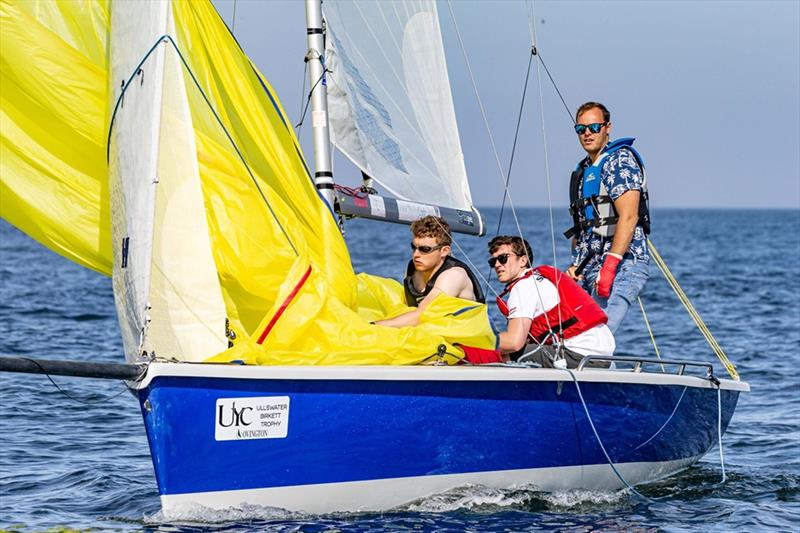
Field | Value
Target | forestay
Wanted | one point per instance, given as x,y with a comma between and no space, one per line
389,100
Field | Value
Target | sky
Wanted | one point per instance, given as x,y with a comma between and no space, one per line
710,90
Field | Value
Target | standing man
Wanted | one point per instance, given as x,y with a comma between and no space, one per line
545,308
611,219
432,270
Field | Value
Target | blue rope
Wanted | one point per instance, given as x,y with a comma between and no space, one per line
167,38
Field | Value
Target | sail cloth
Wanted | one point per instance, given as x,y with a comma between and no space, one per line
227,180
389,100
53,109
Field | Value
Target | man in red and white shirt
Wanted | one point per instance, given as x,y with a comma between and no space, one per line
545,308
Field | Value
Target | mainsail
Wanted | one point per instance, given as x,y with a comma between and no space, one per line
174,139
389,100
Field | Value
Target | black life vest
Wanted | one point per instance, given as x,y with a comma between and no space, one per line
414,296
592,207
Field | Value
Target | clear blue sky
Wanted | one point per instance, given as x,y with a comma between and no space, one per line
711,91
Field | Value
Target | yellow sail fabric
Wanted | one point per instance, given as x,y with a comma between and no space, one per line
53,183
281,261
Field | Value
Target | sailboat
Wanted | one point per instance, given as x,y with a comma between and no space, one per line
140,141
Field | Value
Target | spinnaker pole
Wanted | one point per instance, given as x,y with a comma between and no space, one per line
323,170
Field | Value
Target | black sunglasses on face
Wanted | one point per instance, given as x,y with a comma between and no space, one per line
425,249
502,259
580,129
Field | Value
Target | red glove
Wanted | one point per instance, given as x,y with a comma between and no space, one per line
605,279
480,356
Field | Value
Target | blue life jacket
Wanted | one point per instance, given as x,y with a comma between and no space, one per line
590,204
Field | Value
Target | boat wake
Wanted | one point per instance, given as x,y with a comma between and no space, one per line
472,498
195,514
479,498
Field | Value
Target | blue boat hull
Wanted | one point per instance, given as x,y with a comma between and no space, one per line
345,431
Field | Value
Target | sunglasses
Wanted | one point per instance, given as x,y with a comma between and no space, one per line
502,259
425,249
580,129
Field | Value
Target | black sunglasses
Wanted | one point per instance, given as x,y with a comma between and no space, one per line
580,129
425,249
502,259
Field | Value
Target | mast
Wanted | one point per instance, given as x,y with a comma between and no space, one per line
323,172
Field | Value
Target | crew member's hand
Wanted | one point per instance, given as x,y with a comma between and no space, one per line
571,273
605,279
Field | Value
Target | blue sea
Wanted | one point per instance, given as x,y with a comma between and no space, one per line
73,452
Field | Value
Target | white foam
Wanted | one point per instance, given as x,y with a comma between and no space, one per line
192,513
482,498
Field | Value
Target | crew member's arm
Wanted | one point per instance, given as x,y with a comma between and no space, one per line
627,206
515,338
450,282
573,267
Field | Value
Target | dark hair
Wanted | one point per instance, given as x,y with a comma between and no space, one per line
519,245
593,105
431,226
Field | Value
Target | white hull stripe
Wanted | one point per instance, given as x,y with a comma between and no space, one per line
383,494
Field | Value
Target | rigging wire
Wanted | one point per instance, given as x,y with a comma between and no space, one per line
532,29
511,160
233,22
483,114
308,99
166,38
729,366
303,99
514,144
492,143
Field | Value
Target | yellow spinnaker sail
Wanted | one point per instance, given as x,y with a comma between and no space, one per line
298,303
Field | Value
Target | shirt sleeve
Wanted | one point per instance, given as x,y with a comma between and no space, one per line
525,301
621,173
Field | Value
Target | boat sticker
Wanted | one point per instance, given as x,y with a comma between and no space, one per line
265,417
319,119
376,206
409,211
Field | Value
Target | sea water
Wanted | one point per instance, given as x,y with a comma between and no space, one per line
73,452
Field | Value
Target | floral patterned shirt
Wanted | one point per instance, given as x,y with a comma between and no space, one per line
620,173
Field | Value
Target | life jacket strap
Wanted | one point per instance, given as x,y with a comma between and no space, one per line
557,329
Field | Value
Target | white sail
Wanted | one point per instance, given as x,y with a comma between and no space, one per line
166,289
389,101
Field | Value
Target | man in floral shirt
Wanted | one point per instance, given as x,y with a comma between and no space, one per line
608,203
